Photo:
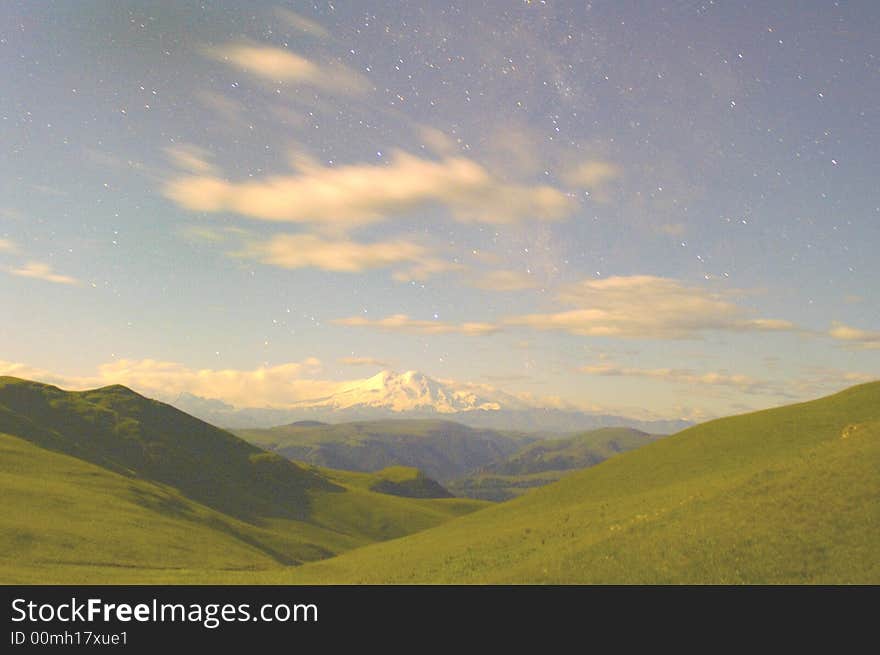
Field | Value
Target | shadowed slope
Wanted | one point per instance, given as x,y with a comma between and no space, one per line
783,495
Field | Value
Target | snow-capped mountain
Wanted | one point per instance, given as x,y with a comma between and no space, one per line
413,395
413,392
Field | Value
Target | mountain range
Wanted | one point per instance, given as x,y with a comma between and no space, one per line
418,396
442,449
109,480
780,496
473,462
108,486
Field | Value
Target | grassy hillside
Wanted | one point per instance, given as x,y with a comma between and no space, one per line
578,451
789,495
442,449
107,485
546,461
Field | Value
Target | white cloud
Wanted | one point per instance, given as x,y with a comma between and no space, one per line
7,245
866,339
309,250
279,66
743,383
358,194
591,174
275,386
403,323
437,141
644,306
41,271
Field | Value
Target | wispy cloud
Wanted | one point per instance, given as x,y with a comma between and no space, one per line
191,158
358,194
672,229
275,386
41,271
364,361
11,214
280,66
403,323
644,306
866,339
309,250
743,383
7,245
301,23
437,141
593,175
504,280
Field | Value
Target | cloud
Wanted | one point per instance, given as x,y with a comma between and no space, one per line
403,323
41,271
817,381
591,174
312,251
294,251
504,280
191,158
7,245
425,269
301,23
742,383
866,339
279,66
644,306
437,141
363,361
213,234
358,194
672,229
12,214
277,386
226,108
19,370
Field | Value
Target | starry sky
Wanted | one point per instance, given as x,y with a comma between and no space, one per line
661,208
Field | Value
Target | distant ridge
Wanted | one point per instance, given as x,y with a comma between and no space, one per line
107,484
414,395
780,496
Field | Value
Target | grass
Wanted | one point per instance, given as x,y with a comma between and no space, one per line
442,449
790,495
108,486
547,460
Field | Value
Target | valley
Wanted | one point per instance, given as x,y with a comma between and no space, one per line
109,486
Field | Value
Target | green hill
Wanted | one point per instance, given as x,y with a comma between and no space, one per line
442,449
546,461
789,495
108,485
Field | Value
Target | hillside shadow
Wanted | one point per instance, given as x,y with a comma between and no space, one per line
124,432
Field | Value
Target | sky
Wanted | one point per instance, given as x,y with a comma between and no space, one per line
664,208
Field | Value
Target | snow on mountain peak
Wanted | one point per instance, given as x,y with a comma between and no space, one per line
412,390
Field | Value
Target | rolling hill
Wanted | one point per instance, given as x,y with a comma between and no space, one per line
414,395
547,460
107,484
442,449
788,495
